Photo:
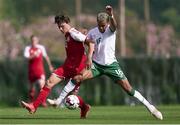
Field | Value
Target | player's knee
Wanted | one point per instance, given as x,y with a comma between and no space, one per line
49,83
77,78
41,83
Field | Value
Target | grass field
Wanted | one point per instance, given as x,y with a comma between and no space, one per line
98,115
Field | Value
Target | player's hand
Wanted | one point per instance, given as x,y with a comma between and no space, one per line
109,10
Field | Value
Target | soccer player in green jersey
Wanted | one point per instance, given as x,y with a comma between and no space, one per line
102,60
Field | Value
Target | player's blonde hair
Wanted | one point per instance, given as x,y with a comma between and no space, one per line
102,16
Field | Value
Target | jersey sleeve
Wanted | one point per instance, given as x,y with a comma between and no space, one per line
44,53
76,35
26,52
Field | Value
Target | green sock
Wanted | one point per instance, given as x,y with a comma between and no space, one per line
131,93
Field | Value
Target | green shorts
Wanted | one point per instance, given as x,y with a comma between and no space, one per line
113,71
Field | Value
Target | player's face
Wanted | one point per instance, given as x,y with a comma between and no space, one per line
64,27
35,41
102,26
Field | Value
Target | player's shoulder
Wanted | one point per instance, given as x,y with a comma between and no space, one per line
28,47
40,46
73,30
93,30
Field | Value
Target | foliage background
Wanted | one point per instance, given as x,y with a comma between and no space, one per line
19,19
157,79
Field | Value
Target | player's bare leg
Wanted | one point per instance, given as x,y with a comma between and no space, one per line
70,86
127,87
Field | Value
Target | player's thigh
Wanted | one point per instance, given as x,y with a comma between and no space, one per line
115,72
53,80
87,74
83,75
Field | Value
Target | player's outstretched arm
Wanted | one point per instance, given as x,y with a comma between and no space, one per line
113,23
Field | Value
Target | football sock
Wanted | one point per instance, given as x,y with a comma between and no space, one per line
141,99
66,90
41,97
82,104
131,93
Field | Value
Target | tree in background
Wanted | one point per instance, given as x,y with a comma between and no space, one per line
25,15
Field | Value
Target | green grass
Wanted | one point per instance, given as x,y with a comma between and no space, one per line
98,115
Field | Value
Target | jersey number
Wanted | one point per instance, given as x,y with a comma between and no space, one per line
119,73
98,40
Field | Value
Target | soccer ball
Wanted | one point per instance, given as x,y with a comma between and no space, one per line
72,102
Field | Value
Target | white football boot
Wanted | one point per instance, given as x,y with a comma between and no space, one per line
54,103
156,113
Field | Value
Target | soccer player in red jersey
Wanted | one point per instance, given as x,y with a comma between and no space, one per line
74,63
35,53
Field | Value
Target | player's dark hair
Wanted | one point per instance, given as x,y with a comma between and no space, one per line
61,19
32,36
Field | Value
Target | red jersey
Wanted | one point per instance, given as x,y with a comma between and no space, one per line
35,65
76,57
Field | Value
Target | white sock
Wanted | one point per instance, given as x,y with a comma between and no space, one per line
142,99
68,88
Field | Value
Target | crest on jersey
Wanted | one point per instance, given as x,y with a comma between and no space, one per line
98,40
